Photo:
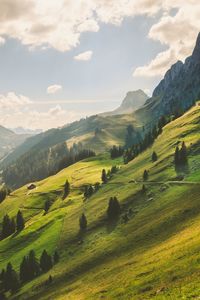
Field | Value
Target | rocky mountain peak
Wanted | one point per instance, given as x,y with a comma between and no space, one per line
196,52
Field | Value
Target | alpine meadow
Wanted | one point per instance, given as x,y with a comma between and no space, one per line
99,196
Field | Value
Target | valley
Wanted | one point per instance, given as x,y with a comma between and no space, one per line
132,259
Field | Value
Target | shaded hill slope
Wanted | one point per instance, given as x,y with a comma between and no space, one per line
154,255
177,92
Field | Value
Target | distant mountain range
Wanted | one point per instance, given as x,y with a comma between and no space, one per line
132,101
22,130
9,141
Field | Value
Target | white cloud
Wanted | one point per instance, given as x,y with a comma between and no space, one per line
84,56
13,102
178,33
59,24
52,89
19,111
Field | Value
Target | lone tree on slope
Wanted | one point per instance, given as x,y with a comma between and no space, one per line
104,176
66,189
145,175
154,156
83,222
113,210
20,224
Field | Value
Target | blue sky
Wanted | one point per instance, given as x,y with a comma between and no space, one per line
93,69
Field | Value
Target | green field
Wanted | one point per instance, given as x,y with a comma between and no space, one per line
155,255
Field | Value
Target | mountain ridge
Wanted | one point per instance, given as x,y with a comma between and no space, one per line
177,91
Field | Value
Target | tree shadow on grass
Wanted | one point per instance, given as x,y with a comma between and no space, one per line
182,170
112,224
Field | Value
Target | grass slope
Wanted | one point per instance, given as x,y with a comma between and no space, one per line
155,255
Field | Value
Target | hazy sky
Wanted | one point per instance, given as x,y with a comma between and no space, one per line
65,59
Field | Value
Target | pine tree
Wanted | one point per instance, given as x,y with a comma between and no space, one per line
56,257
47,205
104,176
8,226
33,266
113,210
12,226
24,269
83,222
154,156
45,261
20,221
11,282
66,189
90,190
145,175
177,156
183,154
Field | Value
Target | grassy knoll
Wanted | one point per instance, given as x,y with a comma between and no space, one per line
155,255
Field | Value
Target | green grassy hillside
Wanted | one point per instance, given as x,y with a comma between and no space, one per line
155,255
113,130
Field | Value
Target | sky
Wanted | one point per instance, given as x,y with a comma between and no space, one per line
63,60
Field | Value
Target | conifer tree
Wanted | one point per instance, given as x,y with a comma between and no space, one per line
56,257
90,190
8,226
12,226
47,205
45,261
113,210
20,221
145,175
183,154
66,189
177,156
154,156
24,269
33,265
83,222
104,176
11,282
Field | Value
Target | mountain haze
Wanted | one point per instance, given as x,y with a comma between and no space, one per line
131,103
9,141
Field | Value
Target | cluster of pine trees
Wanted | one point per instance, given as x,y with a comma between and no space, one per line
113,212
90,189
36,165
29,269
135,149
106,175
180,156
10,226
116,151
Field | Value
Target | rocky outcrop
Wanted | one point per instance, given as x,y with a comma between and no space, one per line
177,92
132,101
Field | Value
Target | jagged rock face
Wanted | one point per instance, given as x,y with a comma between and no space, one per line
179,89
169,77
